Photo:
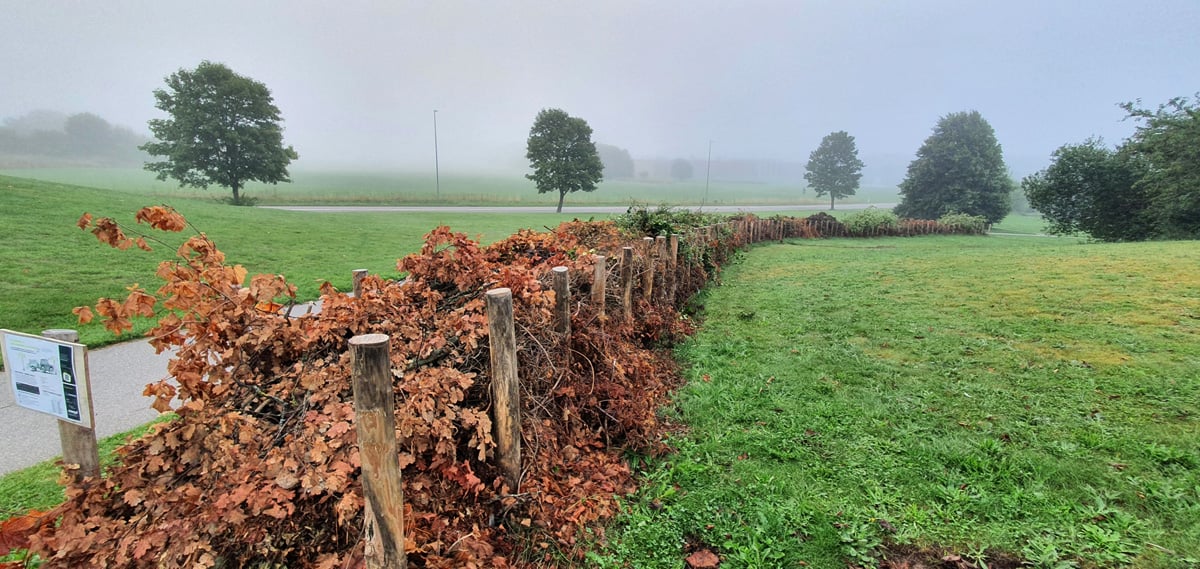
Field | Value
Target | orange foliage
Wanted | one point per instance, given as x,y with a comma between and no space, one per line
262,465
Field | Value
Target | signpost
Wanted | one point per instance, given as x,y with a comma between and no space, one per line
49,374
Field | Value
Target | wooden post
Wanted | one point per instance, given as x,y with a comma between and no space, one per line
662,264
359,275
506,388
627,282
375,422
673,255
78,442
562,300
599,280
648,272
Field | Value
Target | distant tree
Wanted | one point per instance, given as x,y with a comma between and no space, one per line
617,161
1168,141
223,129
89,134
36,120
1091,188
834,168
959,169
563,157
681,169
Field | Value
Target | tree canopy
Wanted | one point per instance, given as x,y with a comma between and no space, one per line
834,168
959,169
681,169
563,157
223,129
617,161
1149,187
49,138
1168,141
1092,188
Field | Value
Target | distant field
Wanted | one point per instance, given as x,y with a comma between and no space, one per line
401,188
50,266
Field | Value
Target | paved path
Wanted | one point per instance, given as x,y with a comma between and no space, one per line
550,209
118,374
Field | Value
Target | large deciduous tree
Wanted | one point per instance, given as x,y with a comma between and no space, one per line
223,129
563,157
959,169
1091,188
834,168
1168,141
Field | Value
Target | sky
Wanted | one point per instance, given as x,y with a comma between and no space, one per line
357,82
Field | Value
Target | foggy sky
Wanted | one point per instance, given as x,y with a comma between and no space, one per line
357,82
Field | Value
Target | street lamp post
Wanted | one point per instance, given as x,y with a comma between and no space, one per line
437,174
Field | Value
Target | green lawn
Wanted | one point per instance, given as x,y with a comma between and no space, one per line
388,187
50,266
1037,398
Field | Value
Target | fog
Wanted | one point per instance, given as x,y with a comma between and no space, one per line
357,82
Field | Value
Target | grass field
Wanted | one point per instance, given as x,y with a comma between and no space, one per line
396,188
996,397
50,266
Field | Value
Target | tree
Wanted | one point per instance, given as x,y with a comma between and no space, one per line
1168,141
89,134
223,129
681,169
959,169
834,168
563,157
617,162
1089,187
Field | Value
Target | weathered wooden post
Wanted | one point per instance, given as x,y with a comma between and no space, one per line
648,273
599,280
662,264
627,282
506,388
375,422
673,255
78,442
562,300
359,275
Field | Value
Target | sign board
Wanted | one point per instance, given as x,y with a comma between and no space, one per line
48,375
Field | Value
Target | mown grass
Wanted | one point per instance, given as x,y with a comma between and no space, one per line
50,266
405,188
993,396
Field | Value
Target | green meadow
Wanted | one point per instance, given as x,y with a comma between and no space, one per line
1004,399
404,188
50,266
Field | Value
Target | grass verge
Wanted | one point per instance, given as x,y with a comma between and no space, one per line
37,487
988,397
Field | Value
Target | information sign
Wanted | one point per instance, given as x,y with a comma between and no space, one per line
48,375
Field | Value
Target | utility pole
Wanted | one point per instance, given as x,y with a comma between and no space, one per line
707,174
437,169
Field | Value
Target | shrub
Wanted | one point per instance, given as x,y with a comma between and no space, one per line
870,219
963,221
640,220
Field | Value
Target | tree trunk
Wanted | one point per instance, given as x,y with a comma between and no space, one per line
561,194
236,198
830,201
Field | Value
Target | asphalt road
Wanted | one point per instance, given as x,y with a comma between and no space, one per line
548,209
